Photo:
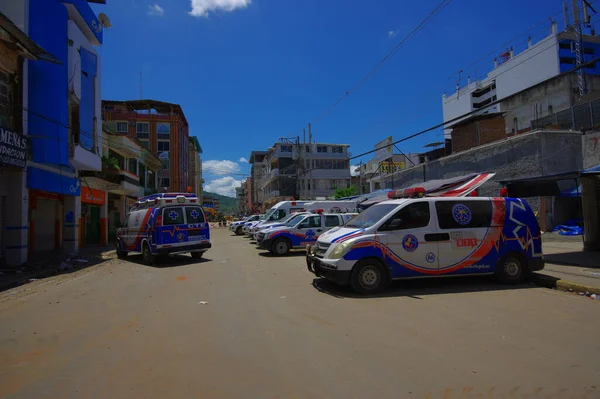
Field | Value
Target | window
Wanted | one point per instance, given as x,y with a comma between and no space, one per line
567,60
132,165
337,149
166,163
194,214
163,146
371,215
5,111
172,215
464,215
166,182
307,149
515,125
122,127
145,144
310,222
163,128
321,148
565,46
332,221
142,130
413,216
286,148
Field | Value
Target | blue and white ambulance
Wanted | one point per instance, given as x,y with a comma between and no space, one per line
237,227
304,230
164,224
427,237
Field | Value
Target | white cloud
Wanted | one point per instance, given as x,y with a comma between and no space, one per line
243,160
201,8
155,9
354,170
224,186
220,167
392,33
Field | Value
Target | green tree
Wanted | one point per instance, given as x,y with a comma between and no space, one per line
345,192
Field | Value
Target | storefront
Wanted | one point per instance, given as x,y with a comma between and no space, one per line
46,210
94,225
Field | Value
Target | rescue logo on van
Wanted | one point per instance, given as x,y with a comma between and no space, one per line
461,214
430,257
410,243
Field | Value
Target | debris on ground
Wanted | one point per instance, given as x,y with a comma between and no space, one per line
202,303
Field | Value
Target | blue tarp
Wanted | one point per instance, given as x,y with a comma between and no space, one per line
570,228
575,192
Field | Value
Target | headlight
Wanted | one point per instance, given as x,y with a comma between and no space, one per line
340,250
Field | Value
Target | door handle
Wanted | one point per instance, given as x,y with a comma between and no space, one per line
319,230
437,237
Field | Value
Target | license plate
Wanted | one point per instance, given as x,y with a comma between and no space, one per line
195,238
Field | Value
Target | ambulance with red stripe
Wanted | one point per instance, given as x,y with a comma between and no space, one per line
164,224
423,236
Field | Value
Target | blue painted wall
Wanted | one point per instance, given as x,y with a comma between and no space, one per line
48,115
89,68
567,58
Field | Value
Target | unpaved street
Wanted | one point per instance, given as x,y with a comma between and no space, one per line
269,330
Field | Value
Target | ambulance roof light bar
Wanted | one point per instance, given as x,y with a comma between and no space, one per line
412,192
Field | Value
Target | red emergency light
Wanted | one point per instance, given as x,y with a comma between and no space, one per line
319,210
412,192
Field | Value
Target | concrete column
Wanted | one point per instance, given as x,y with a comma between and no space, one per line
16,214
73,226
104,221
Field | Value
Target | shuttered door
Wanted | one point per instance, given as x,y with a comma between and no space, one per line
2,230
45,219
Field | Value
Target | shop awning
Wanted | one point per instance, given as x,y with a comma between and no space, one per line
540,186
11,33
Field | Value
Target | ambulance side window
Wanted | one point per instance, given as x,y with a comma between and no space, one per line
332,221
464,214
413,216
194,214
310,222
172,215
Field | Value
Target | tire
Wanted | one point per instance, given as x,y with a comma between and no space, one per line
238,231
147,254
280,247
120,253
369,277
511,269
197,255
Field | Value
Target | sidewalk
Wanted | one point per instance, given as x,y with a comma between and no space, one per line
53,263
567,267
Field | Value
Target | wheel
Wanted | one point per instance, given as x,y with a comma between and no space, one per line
511,269
280,247
147,254
238,231
369,277
120,253
197,255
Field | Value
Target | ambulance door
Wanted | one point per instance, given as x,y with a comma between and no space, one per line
466,224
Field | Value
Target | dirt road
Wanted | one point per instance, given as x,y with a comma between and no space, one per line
245,325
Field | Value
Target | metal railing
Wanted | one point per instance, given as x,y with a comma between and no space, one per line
580,117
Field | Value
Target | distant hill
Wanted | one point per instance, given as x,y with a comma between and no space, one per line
227,205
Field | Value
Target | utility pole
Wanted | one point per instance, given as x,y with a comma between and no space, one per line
304,181
360,177
310,163
578,25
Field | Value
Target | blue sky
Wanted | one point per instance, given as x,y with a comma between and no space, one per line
247,72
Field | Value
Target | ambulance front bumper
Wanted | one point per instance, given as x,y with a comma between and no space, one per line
327,270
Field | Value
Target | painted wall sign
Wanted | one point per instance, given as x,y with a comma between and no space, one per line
92,196
13,148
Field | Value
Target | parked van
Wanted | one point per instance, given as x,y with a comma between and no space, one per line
164,224
269,225
237,227
303,231
343,206
426,237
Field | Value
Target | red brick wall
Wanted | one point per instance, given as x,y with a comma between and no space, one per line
478,133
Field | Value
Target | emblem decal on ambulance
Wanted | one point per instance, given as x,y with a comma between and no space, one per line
310,233
461,214
410,243
430,257
180,236
194,214
173,215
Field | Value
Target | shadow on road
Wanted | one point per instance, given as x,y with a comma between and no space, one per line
416,289
575,259
290,254
168,261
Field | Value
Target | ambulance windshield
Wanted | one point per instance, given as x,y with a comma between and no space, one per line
370,216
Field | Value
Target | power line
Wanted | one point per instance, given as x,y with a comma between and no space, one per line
387,57
584,65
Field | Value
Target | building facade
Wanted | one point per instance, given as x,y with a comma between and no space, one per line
195,168
539,62
257,172
308,171
160,127
58,115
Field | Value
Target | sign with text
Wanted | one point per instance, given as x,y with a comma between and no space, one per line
13,148
92,196
383,150
391,167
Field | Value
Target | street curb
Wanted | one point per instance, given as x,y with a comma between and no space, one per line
544,280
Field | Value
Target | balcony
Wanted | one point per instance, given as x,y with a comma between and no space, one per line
269,177
116,181
84,159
